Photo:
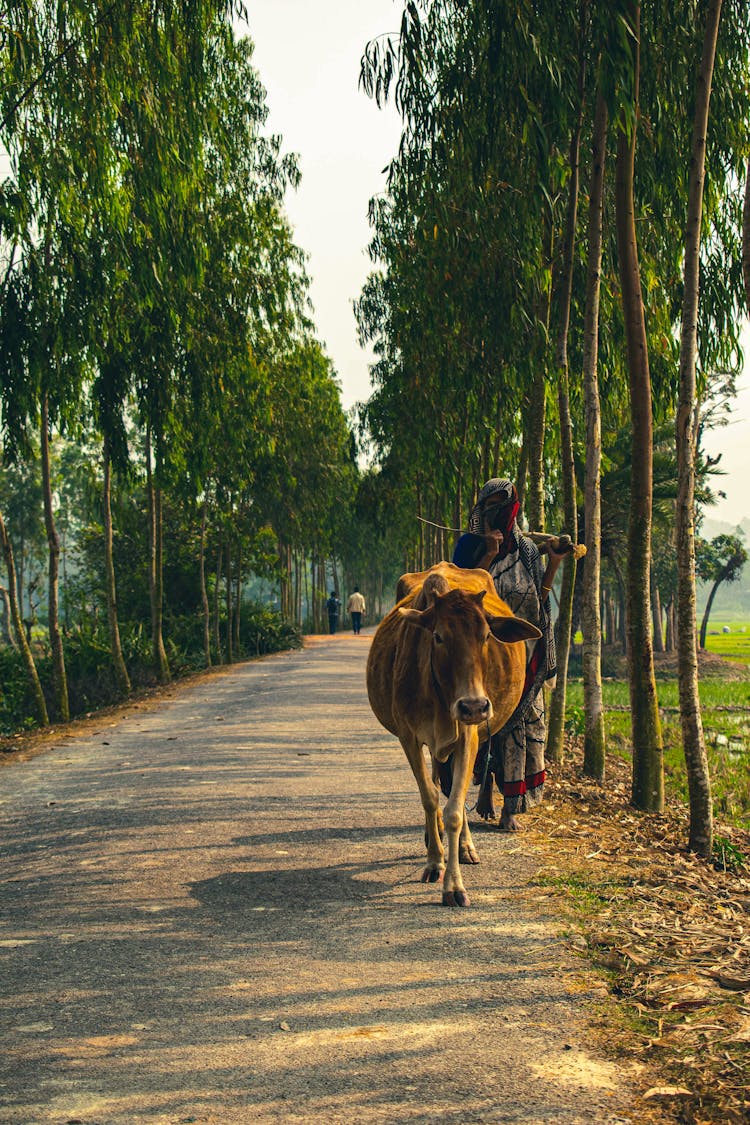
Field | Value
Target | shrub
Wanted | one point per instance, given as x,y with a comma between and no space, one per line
91,678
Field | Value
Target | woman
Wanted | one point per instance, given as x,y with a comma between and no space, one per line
496,544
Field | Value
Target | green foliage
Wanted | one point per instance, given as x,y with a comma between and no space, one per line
728,857
16,701
264,630
467,244
91,677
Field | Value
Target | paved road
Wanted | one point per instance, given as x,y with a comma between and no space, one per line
211,912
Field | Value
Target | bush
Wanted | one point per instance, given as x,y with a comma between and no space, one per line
263,629
88,663
16,700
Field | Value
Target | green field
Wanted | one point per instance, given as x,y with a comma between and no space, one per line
725,708
734,645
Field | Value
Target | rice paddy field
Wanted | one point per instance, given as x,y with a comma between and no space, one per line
725,700
734,645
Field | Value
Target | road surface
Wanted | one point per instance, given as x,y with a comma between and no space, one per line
211,912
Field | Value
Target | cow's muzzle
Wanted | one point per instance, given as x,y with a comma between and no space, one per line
473,709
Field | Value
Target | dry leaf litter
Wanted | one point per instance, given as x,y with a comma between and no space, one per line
670,932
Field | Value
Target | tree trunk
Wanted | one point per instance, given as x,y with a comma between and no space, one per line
237,601
594,745
118,660
699,782
521,481
228,603
59,676
534,432
556,720
217,614
155,581
706,615
648,764
23,645
669,643
656,616
204,592
611,619
746,240
7,619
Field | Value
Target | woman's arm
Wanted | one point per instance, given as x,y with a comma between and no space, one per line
549,575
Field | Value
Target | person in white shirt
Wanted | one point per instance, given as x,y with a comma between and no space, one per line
356,607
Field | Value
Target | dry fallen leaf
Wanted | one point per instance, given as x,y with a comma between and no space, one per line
668,1092
734,984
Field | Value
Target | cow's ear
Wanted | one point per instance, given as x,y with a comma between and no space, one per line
510,629
478,597
424,618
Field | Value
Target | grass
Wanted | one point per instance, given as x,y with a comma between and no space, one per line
726,721
732,646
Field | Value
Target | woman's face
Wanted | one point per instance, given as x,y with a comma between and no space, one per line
490,513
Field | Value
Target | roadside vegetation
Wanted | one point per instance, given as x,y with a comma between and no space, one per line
179,484
666,933
725,704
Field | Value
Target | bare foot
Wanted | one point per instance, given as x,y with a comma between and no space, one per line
509,823
485,805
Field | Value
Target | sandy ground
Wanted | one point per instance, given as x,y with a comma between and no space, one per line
210,911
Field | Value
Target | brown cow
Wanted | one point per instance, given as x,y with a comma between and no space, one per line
435,674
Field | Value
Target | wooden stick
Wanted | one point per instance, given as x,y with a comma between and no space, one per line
563,544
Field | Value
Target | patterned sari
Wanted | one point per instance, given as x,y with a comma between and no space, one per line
517,750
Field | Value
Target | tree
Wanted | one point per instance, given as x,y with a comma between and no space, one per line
719,561
556,721
24,646
701,812
648,766
594,736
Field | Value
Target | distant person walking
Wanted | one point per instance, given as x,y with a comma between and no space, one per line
333,605
356,606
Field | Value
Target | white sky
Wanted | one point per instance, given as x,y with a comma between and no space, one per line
308,54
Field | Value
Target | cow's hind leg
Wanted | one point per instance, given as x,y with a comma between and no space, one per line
430,795
467,853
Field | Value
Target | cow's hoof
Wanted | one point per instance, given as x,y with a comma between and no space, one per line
467,854
455,898
433,874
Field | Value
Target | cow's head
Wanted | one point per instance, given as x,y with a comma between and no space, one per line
461,631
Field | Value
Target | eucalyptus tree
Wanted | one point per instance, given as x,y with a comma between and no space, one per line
308,477
746,239
24,647
720,560
648,765
701,812
466,233
556,720
594,747
65,65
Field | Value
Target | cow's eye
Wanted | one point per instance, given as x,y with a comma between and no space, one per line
438,638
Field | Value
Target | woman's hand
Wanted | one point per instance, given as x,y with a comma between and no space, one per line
492,542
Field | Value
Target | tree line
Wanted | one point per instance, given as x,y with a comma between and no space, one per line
171,425
561,262
557,296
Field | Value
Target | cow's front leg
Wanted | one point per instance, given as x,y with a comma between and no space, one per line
430,795
454,814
